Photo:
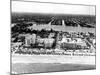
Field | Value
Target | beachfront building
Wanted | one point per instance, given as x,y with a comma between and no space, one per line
30,39
45,42
71,43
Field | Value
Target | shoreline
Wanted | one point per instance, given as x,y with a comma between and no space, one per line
64,59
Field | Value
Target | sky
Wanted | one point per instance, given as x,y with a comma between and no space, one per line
49,8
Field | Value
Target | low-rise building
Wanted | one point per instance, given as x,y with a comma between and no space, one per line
72,43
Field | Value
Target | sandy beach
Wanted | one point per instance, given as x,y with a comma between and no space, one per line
50,63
